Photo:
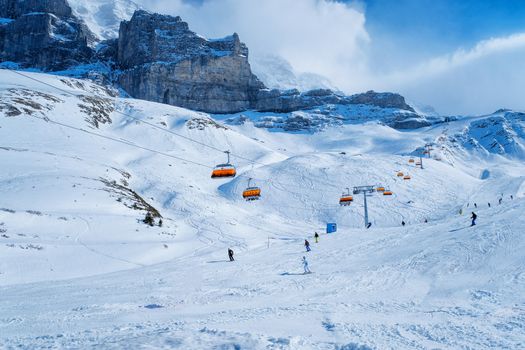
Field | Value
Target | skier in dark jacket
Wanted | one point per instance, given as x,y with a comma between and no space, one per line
500,200
316,236
473,217
489,204
403,223
230,254
307,245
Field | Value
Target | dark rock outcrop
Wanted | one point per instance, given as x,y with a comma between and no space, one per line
293,100
42,34
381,99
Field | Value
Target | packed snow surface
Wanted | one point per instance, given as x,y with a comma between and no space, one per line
79,268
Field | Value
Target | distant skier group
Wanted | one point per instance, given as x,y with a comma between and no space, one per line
306,267
303,261
308,249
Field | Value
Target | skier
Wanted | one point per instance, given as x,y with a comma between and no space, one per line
307,245
316,236
426,221
511,197
473,217
230,254
461,211
476,205
500,200
403,222
489,204
305,265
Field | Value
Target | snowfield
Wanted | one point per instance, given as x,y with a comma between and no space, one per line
79,268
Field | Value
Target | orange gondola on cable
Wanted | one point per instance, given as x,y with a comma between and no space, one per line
411,160
251,193
380,189
346,198
387,193
400,174
224,170
406,177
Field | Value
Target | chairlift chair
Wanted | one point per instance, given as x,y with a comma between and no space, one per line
346,198
224,170
251,193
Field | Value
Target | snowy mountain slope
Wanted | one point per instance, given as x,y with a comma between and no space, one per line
103,17
277,73
80,269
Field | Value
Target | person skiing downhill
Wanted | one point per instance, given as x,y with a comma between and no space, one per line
403,223
305,265
316,236
489,204
473,217
500,200
307,245
230,254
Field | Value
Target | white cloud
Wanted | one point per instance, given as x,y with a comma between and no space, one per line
489,76
462,57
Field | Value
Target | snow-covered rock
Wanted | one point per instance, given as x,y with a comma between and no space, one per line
277,73
103,17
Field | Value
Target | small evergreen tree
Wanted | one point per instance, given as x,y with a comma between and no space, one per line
148,219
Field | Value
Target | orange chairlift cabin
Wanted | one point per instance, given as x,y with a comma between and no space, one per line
400,173
411,160
387,192
346,198
224,170
380,189
251,193
406,177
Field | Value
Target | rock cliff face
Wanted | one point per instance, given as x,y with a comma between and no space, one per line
164,61
42,34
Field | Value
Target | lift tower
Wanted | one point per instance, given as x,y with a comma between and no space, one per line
366,191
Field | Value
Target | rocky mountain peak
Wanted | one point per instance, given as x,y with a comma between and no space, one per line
151,37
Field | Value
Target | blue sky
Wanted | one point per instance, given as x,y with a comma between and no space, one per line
459,56
440,25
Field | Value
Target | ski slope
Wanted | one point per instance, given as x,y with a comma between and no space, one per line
79,269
